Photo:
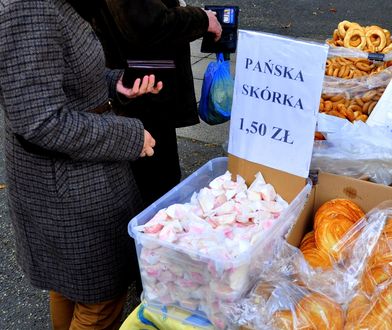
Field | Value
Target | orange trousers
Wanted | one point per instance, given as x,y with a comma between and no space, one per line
70,315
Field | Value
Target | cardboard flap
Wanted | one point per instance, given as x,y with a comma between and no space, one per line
364,193
287,185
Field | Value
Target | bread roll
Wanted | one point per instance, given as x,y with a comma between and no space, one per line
338,206
283,320
316,311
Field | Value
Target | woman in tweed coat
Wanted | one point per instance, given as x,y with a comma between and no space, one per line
71,188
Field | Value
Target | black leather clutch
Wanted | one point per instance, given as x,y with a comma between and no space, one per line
162,69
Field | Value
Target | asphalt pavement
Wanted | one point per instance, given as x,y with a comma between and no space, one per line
26,308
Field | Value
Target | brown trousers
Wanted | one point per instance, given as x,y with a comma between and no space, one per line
70,315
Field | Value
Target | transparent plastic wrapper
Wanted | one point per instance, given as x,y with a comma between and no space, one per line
371,312
199,279
354,53
371,306
354,292
283,304
348,256
354,82
353,99
356,150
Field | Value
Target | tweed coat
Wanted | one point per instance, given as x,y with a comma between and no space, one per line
70,214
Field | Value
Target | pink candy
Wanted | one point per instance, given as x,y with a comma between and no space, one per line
196,264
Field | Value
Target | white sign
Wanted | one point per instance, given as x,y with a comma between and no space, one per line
382,112
277,91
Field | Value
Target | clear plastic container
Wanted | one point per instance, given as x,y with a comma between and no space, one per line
173,276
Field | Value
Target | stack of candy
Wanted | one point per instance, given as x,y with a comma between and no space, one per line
198,254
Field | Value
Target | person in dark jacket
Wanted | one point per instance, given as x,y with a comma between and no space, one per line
71,190
159,30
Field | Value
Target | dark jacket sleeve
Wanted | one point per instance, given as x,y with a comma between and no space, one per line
156,23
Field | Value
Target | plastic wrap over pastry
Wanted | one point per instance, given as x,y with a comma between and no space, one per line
357,71
353,99
371,312
280,305
354,53
353,292
322,262
353,245
356,150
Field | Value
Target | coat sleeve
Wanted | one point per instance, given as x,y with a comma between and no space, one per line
155,23
31,89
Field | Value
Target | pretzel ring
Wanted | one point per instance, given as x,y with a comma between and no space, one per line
353,33
387,49
335,35
375,39
344,26
355,41
387,34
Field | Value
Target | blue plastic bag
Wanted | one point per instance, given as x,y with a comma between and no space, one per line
217,92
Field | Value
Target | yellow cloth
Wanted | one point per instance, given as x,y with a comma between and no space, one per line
143,318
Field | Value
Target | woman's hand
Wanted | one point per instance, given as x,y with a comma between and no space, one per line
149,144
140,87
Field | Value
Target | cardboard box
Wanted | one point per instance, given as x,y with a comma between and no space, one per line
364,193
329,186
287,185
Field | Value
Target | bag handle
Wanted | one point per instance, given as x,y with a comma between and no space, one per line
222,57
219,57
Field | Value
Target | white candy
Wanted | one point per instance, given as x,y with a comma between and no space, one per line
177,211
221,221
226,208
239,277
168,234
206,200
218,182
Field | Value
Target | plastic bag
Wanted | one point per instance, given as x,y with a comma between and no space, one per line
283,304
146,317
356,291
349,256
353,99
370,307
372,313
353,53
353,83
217,92
356,150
